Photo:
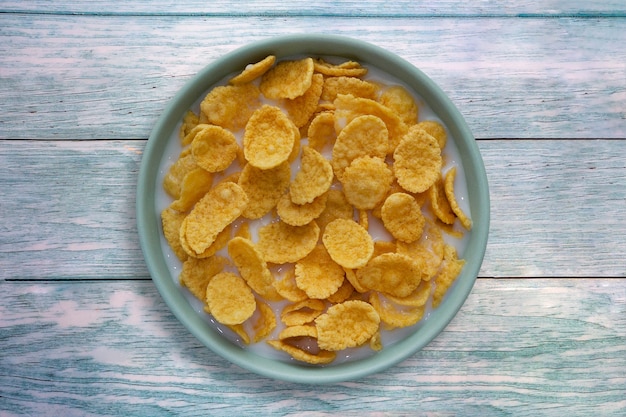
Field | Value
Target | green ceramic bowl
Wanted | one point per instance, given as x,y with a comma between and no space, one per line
149,225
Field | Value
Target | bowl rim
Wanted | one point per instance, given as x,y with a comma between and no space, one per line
148,220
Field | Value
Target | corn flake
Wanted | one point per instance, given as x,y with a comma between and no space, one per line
346,325
253,71
197,273
313,179
263,188
282,243
194,186
348,243
253,268
366,182
348,85
287,79
321,131
318,275
302,108
214,148
454,205
417,161
229,299
450,270
269,138
302,312
398,99
230,106
299,215
403,217
265,323
391,273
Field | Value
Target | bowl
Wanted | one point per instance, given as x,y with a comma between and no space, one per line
149,223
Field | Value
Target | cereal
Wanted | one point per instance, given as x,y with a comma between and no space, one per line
417,161
318,275
229,299
263,188
348,85
398,99
366,182
265,323
282,243
345,325
214,148
436,130
253,71
403,217
364,136
450,269
287,79
253,268
197,273
299,215
300,109
391,273
439,202
348,243
171,221
302,312
230,106
449,191
214,212
349,107
313,179
321,131
268,138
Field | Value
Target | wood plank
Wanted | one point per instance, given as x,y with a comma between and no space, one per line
557,209
324,7
103,77
521,347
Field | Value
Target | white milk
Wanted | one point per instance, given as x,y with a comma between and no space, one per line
377,230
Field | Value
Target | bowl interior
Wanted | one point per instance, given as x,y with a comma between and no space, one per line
148,219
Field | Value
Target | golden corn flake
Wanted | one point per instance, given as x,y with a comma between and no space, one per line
321,131
229,299
347,69
363,136
366,182
230,106
450,270
348,243
214,148
173,180
302,312
197,273
342,294
282,243
318,275
313,179
428,250
383,246
287,79
194,186
337,207
439,202
348,107
454,205
212,214
299,215
239,330
253,268
398,99
417,161
391,273
394,316
263,188
265,323
353,280
190,120
298,331
436,130
287,287
348,85
218,244
403,217
268,138
253,71
302,108
191,134
320,358
417,298
171,221
346,325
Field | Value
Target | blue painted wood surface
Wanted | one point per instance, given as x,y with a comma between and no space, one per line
83,330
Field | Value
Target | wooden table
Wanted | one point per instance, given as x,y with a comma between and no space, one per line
83,330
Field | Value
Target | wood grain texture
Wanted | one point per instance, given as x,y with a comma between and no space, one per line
557,208
113,348
103,77
325,8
